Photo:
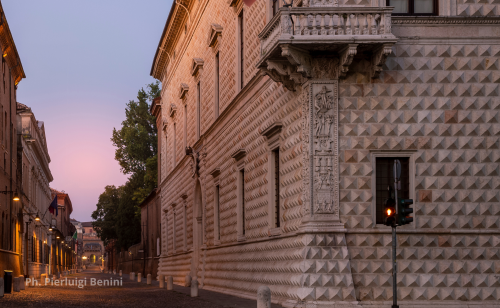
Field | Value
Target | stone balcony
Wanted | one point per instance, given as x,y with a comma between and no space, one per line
296,36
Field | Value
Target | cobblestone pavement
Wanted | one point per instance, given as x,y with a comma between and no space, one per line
129,294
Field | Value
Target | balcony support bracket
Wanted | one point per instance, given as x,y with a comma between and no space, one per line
379,57
346,56
299,58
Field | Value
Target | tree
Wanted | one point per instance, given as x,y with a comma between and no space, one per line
136,142
118,214
106,215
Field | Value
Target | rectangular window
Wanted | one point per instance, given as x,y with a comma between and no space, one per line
173,231
185,125
241,48
384,185
242,183
175,145
217,95
166,152
198,111
414,7
217,212
277,215
276,7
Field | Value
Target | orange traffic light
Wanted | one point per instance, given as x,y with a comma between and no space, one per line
389,212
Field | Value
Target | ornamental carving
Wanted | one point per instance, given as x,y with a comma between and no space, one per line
320,125
379,58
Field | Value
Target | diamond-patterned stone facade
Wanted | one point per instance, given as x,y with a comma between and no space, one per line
435,100
440,103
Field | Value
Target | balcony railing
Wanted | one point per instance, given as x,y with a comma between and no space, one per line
326,29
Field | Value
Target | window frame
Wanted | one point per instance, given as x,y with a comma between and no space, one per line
411,162
217,213
240,214
217,85
241,50
198,110
411,8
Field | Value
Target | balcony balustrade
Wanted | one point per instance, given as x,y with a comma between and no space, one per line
297,35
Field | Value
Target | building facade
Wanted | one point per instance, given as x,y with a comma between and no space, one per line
277,132
150,233
93,247
34,177
63,244
11,213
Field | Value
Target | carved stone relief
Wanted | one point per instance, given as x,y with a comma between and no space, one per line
320,163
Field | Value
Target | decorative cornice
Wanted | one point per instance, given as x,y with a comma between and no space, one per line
184,90
9,50
215,32
239,154
444,20
196,66
165,124
173,110
155,109
215,173
272,130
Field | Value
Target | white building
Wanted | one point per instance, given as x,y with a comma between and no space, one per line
34,173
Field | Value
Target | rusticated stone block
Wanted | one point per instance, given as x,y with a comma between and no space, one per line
425,195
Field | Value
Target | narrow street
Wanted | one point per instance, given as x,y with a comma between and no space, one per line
130,294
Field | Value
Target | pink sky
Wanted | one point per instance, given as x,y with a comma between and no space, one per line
84,60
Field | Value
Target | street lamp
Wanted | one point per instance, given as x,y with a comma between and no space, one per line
37,218
15,197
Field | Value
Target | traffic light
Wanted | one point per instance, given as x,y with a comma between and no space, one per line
389,212
404,211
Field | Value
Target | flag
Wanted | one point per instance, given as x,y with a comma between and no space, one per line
53,206
248,2
75,236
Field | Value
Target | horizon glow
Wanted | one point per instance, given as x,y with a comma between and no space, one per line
84,60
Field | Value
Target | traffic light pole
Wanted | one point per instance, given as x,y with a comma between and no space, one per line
394,270
394,242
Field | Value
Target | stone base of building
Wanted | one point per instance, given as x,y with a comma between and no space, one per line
428,304
318,304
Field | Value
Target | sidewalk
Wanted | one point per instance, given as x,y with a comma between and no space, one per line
216,298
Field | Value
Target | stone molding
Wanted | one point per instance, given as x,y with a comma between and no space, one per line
173,110
215,33
183,91
239,154
164,124
444,20
272,134
196,66
215,173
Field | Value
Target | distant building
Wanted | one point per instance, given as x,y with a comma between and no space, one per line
64,245
151,233
93,247
35,176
